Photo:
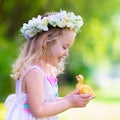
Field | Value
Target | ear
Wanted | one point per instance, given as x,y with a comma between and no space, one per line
45,43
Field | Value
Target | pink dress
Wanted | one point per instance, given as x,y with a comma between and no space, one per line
18,108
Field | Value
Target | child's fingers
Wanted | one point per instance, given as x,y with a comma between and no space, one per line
85,95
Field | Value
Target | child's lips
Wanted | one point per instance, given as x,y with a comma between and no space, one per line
61,59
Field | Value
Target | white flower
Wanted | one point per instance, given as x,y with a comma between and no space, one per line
44,24
61,19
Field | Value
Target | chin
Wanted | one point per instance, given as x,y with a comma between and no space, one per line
54,64
57,62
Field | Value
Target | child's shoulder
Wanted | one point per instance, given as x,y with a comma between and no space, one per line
34,73
32,78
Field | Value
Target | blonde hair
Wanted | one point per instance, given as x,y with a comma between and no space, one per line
32,51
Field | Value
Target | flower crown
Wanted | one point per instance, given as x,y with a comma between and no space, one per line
61,19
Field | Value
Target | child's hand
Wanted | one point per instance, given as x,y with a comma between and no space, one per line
78,100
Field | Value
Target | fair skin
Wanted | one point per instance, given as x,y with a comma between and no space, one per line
61,48
34,85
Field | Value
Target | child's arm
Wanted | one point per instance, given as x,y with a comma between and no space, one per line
39,108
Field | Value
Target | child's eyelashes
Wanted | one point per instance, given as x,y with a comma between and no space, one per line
64,47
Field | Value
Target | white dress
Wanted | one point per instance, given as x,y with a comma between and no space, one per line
18,108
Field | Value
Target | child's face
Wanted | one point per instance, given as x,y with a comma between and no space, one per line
60,49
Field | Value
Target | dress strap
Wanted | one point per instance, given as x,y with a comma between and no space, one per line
19,82
35,67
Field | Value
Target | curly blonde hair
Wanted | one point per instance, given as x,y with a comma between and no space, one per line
32,51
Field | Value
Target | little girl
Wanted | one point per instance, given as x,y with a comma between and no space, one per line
49,38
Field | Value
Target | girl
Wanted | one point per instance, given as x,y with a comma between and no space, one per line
41,60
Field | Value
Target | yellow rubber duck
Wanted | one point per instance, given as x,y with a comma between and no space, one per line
84,89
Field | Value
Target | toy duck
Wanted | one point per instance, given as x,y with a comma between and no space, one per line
84,89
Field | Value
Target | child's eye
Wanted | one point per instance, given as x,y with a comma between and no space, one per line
64,47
